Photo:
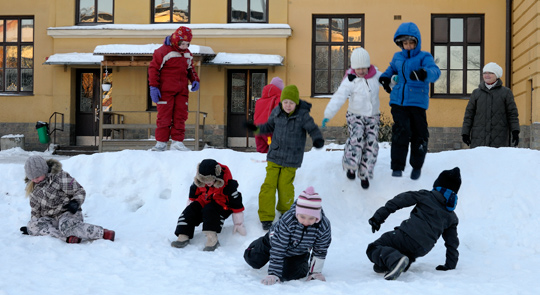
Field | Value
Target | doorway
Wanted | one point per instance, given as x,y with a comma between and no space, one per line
244,88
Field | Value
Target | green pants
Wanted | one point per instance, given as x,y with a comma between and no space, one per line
280,178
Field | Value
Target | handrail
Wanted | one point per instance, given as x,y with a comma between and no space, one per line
55,114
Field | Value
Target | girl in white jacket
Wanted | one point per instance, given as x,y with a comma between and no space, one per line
361,86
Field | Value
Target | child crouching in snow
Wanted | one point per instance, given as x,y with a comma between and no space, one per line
213,197
432,216
302,230
56,199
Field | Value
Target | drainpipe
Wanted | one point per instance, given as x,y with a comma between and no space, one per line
508,61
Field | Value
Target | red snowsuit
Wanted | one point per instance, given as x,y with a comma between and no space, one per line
171,71
270,98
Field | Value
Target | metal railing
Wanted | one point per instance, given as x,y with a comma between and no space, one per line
53,131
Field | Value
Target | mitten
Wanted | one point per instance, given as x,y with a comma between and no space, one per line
251,127
324,121
385,82
195,86
466,139
515,137
375,225
24,230
316,276
318,143
270,280
419,75
238,220
72,206
167,41
155,94
443,267
315,269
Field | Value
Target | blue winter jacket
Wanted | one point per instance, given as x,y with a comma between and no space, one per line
408,92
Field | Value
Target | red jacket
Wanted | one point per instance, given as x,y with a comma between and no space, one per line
226,196
171,70
270,98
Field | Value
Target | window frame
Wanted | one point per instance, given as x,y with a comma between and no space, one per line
464,45
95,22
152,13
346,44
19,45
229,12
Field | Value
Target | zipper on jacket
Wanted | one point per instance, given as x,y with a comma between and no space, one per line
405,80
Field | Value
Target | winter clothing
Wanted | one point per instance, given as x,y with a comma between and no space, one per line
278,178
493,68
270,99
35,166
290,92
450,179
309,203
288,245
211,241
360,58
409,99
55,204
417,235
491,115
170,71
211,204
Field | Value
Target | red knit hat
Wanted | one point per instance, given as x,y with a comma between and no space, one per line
309,203
181,34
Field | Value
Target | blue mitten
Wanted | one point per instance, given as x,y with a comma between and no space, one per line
155,94
324,121
194,86
167,41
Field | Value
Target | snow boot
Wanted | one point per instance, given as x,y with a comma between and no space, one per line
415,174
181,242
159,147
24,230
266,225
178,146
73,240
364,183
108,235
211,240
398,269
397,173
350,174
379,269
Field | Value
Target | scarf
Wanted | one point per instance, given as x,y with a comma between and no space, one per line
450,196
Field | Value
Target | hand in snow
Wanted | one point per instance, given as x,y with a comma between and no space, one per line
270,280
316,276
375,225
443,267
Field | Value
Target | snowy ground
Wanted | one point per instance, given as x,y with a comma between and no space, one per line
140,194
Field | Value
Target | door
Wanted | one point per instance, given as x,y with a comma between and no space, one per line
244,88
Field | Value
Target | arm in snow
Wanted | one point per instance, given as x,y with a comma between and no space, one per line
451,242
322,243
278,249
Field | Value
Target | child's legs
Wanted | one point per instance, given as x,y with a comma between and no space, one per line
44,226
180,115
164,116
267,195
261,141
401,133
257,253
370,147
213,216
285,188
384,252
353,145
189,219
73,225
419,137
295,267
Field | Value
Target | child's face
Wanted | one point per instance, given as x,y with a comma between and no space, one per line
306,220
38,179
489,78
288,105
361,72
184,45
409,44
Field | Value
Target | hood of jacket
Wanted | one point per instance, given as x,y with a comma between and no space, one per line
409,29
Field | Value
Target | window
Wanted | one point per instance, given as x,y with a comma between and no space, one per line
170,11
458,49
248,11
16,55
334,38
91,12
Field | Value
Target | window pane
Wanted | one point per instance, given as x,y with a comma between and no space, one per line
258,10
86,11
321,81
238,97
11,57
321,58
473,80
337,58
1,30
456,82
456,30
355,30
1,79
12,29
440,30
1,57
27,57
105,14
180,11
440,85
474,30
321,33
162,11
338,31
441,57
337,77
258,81
27,80
11,79
473,57
239,10
456,57
27,28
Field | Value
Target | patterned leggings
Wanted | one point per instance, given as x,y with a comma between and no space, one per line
63,226
362,146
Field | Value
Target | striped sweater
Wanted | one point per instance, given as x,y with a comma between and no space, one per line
288,237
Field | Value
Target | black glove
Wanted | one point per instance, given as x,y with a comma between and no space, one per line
443,267
385,82
351,77
420,75
515,137
72,206
24,230
466,139
375,225
251,127
230,188
318,143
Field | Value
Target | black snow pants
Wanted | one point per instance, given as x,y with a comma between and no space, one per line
211,216
410,126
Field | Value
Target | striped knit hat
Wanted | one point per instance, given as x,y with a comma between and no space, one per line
309,203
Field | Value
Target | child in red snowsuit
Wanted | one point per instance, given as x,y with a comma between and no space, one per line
270,98
169,73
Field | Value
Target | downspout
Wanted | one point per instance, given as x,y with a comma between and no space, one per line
508,61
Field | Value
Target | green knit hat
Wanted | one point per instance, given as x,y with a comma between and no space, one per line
290,92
